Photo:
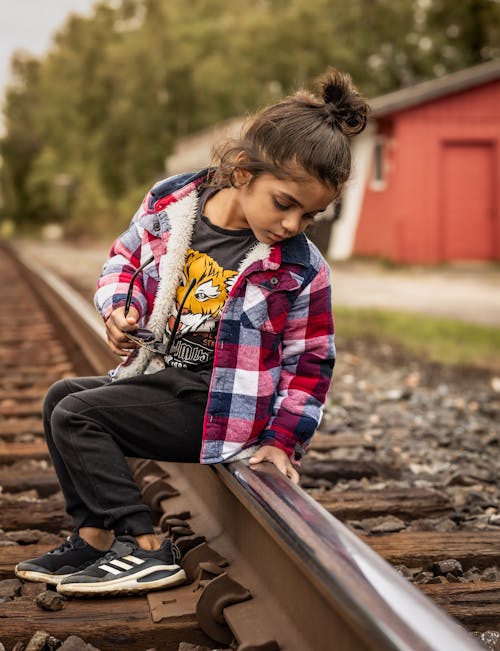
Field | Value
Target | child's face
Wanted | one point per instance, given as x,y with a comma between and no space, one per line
277,209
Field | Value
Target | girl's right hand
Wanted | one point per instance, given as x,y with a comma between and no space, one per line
117,325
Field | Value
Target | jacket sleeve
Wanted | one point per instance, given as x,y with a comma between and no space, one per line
124,259
308,358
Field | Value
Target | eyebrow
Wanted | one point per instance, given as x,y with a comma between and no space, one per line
291,198
297,202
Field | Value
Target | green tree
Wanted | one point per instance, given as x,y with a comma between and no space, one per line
22,141
89,125
463,33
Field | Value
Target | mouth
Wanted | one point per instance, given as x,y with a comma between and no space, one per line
276,238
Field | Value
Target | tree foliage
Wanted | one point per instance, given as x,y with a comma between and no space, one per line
88,126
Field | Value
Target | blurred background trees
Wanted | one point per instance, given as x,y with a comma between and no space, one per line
89,125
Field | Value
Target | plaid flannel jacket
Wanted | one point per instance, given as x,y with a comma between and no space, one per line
274,353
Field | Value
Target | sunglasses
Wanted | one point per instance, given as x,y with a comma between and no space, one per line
144,337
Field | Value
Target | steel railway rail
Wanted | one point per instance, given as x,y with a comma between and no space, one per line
269,568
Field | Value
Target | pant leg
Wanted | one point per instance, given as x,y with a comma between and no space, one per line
61,389
158,416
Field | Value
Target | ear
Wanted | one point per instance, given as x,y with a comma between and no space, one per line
240,175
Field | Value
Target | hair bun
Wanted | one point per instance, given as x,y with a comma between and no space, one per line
347,110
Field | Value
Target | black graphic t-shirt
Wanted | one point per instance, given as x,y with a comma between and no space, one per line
212,262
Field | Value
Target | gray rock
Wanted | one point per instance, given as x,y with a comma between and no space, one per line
448,566
25,537
490,574
38,641
489,639
388,524
50,600
437,579
74,643
404,571
423,577
10,588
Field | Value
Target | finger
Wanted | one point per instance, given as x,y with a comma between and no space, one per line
123,323
263,455
117,334
259,456
120,345
282,466
115,349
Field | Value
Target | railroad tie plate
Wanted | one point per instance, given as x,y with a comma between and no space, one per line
178,603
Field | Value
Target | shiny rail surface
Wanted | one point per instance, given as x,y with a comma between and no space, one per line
380,605
329,589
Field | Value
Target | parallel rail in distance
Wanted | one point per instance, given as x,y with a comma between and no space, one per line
331,590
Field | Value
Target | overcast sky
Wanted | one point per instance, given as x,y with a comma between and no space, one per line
30,24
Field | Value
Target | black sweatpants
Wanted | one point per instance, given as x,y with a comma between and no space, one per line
91,425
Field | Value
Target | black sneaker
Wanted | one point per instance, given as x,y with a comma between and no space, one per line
126,569
74,554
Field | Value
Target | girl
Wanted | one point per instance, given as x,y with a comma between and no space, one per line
222,308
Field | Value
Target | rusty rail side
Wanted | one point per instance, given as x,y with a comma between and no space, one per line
314,584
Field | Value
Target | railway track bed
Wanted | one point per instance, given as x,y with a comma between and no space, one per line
441,536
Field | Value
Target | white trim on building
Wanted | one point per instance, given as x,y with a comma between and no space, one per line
344,228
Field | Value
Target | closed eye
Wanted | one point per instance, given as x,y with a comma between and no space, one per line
287,206
279,205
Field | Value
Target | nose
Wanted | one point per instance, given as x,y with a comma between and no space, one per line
291,223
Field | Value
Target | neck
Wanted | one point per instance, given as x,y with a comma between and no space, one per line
223,209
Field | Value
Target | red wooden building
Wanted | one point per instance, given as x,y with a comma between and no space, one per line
426,181
425,186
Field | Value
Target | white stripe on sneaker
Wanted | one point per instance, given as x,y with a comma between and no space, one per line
124,566
108,568
134,559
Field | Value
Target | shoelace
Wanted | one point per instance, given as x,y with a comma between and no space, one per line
65,545
176,552
109,556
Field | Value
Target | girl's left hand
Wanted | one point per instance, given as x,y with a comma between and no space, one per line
278,458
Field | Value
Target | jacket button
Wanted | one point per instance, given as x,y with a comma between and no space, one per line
274,280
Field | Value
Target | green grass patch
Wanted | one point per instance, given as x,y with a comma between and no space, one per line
446,341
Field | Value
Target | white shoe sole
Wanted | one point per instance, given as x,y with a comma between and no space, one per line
40,577
125,585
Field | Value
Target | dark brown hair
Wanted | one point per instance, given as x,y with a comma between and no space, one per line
301,131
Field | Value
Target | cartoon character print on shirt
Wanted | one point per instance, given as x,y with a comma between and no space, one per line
206,300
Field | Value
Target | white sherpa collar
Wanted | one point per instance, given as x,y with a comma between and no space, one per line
181,216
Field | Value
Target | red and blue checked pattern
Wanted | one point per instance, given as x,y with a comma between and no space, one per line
274,353
147,235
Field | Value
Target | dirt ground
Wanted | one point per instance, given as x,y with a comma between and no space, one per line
469,292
